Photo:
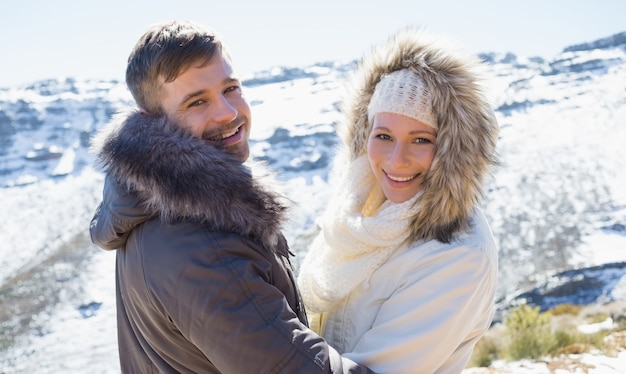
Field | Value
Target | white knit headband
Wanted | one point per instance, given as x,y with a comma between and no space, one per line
403,92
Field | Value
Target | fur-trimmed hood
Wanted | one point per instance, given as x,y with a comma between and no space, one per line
179,176
466,137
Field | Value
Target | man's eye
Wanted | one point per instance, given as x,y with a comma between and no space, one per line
196,103
231,89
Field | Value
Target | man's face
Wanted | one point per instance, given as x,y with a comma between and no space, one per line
208,101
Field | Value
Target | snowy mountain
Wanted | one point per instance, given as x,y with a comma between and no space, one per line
557,205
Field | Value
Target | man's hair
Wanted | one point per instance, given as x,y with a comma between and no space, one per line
163,53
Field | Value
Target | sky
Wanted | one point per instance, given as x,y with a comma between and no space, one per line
84,40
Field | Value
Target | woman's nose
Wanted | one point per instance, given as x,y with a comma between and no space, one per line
399,156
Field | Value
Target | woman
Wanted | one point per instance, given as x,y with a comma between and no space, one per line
403,274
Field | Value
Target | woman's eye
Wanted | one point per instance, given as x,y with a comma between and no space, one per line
422,141
383,136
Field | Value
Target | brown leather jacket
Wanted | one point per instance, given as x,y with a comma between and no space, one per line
204,281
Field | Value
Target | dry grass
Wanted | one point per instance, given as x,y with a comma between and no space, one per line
555,337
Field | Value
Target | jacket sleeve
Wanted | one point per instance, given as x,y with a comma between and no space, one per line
226,304
433,320
117,214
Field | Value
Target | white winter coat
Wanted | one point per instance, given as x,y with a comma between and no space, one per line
423,310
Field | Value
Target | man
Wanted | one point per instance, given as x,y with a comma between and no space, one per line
203,278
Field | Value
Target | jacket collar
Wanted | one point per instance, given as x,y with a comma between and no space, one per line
179,176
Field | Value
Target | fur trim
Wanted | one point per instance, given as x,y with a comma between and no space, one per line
467,133
182,177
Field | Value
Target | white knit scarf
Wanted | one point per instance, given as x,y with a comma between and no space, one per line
351,246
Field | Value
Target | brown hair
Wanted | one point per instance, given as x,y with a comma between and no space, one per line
164,52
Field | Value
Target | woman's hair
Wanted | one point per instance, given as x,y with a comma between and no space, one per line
467,128
164,52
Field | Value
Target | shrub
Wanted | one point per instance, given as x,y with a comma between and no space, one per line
565,338
485,352
529,332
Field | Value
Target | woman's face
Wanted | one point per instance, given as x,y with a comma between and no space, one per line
400,150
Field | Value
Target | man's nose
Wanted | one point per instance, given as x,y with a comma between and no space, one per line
224,112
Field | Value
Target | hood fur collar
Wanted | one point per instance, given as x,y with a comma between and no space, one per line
182,177
467,134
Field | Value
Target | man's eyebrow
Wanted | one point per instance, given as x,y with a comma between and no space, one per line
230,80
191,95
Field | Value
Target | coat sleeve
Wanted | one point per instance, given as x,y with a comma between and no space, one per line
226,304
115,217
435,317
